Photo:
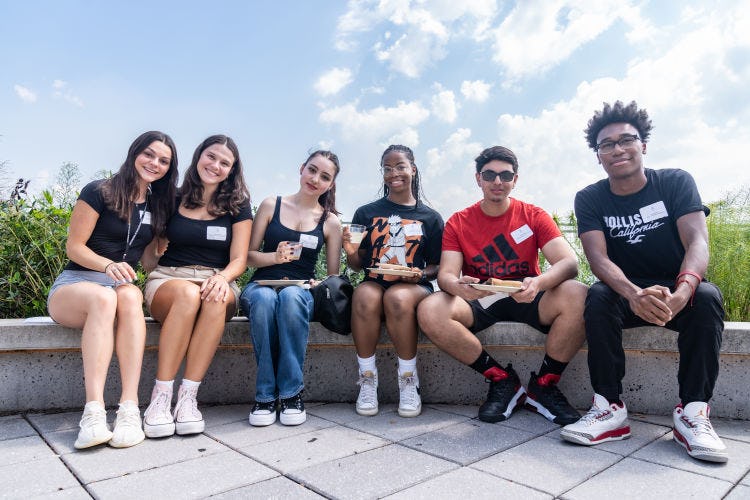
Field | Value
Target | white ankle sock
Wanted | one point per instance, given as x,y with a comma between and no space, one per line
407,365
189,384
367,364
164,385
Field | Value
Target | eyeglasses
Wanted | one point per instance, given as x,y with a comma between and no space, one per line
491,175
607,147
397,169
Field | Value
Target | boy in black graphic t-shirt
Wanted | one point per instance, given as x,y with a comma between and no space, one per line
644,234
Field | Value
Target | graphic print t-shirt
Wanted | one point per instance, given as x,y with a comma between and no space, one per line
641,229
503,247
398,234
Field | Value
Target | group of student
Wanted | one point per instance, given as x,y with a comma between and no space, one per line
643,231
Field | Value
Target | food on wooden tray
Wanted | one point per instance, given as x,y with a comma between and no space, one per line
497,282
395,267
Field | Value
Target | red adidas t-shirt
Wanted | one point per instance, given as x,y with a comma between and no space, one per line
504,247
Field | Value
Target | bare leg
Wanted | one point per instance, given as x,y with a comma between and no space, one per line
206,337
93,308
176,304
562,308
130,339
367,311
400,305
445,320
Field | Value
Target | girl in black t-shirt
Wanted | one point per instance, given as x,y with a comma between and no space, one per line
192,292
280,315
111,224
402,231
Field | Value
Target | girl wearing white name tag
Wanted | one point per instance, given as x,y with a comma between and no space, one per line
192,292
111,224
280,316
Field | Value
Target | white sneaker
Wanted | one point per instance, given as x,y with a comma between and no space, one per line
367,401
693,430
603,422
128,431
188,419
409,401
94,428
157,419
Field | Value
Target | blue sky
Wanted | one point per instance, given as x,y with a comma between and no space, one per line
79,80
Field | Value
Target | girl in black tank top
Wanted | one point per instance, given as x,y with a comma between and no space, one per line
280,315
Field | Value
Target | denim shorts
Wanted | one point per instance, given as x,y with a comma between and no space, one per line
193,274
69,277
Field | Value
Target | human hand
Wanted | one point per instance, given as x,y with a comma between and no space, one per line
286,251
121,272
215,288
650,304
351,240
528,292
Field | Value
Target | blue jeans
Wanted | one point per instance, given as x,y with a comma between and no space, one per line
279,328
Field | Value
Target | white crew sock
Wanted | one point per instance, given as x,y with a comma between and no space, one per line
188,384
367,364
407,365
164,385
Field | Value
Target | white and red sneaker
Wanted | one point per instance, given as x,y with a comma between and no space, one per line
603,422
693,430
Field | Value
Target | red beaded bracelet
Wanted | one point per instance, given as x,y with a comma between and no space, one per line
681,278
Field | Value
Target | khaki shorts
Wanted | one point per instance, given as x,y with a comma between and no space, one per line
193,274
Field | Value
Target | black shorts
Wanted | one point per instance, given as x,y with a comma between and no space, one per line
507,309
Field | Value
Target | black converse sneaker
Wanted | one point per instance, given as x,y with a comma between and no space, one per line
544,397
263,414
505,395
293,410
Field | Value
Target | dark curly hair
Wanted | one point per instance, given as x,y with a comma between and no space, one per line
500,153
619,113
416,186
231,194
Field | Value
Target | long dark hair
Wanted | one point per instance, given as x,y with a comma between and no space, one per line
230,195
121,190
416,187
328,199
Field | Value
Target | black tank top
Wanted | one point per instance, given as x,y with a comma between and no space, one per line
304,267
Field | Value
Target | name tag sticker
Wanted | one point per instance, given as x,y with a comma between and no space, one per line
413,229
146,216
522,233
308,241
654,211
216,233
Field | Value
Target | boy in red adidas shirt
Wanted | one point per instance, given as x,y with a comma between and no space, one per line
500,237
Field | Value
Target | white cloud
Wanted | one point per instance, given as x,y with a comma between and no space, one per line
444,105
67,95
536,36
478,90
333,81
422,29
376,123
25,94
454,159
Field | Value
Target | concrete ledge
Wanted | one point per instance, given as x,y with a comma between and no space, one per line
40,368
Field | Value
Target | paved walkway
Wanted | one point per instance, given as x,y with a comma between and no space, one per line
444,453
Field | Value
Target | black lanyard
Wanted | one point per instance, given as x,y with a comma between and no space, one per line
128,239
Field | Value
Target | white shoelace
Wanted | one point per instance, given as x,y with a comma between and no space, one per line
368,392
159,408
409,395
129,417
594,414
97,416
700,424
187,406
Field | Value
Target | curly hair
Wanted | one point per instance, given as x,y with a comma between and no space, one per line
416,186
232,192
619,113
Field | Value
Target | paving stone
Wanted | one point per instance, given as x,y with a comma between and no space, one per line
372,474
55,421
530,421
341,413
666,451
15,426
25,449
548,464
225,414
23,480
629,475
62,441
465,410
240,434
196,478
641,434
75,493
746,480
663,420
467,442
390,425
278,487
740,492
312,448
739,430
469,483
104,462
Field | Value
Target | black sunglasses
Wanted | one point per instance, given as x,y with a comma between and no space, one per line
491,175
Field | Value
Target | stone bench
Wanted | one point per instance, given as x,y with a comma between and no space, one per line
41,369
